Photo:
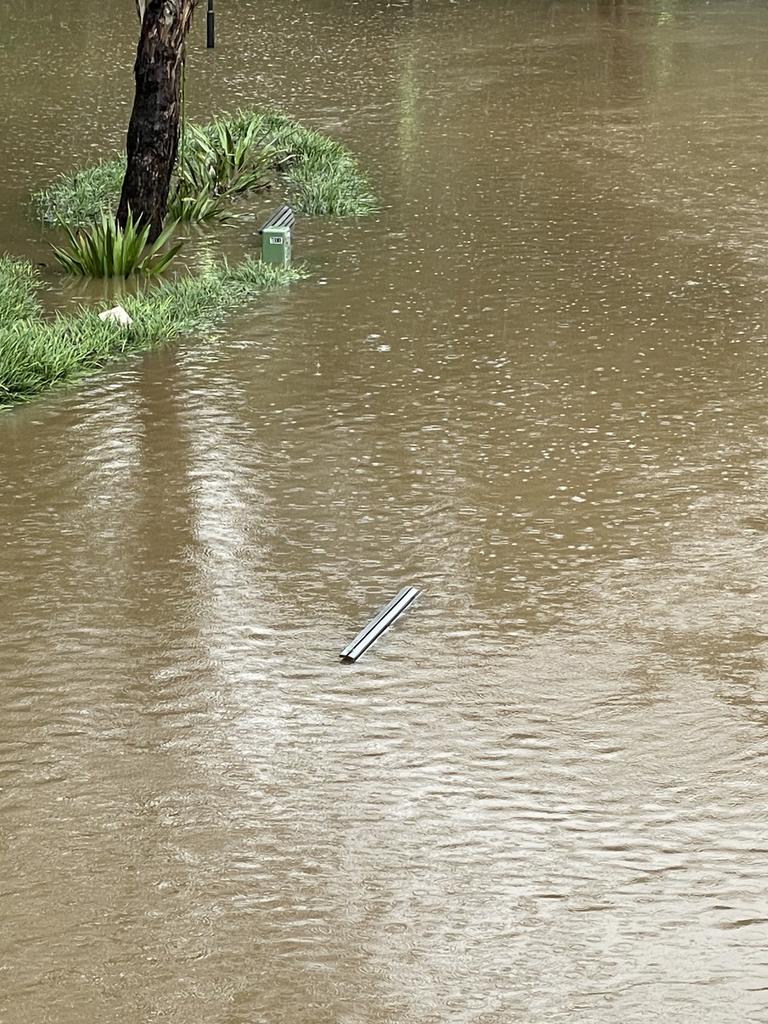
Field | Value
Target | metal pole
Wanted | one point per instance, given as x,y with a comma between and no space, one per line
379,624
211,26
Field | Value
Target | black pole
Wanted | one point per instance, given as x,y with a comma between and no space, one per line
211,26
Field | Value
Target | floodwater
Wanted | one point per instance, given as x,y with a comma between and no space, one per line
534,385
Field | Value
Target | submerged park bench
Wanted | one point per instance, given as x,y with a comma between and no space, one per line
276,236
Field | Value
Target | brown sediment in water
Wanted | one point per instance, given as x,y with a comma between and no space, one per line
535,383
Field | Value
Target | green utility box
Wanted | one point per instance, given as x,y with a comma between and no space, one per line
276,246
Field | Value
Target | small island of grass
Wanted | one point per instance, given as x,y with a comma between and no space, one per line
219,164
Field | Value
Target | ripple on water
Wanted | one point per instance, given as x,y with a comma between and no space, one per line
533,385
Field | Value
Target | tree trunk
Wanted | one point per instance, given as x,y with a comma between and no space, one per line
153,133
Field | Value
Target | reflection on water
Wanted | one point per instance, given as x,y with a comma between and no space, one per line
533,385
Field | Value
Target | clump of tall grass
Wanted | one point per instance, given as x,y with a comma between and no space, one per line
216,166
108,250
321,175
37,354
196,209
229,157
19,282
320,188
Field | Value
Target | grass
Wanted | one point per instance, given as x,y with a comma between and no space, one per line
322,176
19,281
80,199
248,151
37,354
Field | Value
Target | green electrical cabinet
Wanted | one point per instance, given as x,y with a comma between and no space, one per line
276,246
276,237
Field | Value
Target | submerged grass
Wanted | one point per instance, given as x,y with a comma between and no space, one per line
266,149
322,175
79,199
18,291
37,354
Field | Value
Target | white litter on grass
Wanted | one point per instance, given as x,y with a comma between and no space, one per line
118,315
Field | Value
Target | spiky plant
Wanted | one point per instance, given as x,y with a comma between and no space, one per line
224,162
106,250
190,209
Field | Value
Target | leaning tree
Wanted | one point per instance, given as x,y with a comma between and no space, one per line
153,132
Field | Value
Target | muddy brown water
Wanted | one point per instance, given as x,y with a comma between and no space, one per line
535,385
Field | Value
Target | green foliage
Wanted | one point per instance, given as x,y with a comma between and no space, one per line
191,209
321,174
81,198
36,354
221,161
321,187
106,250
19,281
216,167
226,161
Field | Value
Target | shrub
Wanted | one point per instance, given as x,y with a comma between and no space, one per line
106,250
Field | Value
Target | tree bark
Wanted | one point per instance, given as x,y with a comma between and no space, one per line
153,132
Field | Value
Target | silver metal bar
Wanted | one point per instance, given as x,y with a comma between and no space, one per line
375,620
379,623
282,217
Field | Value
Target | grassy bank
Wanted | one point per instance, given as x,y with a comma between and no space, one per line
36,354
315,173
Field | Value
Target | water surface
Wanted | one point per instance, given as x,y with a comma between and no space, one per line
534,384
